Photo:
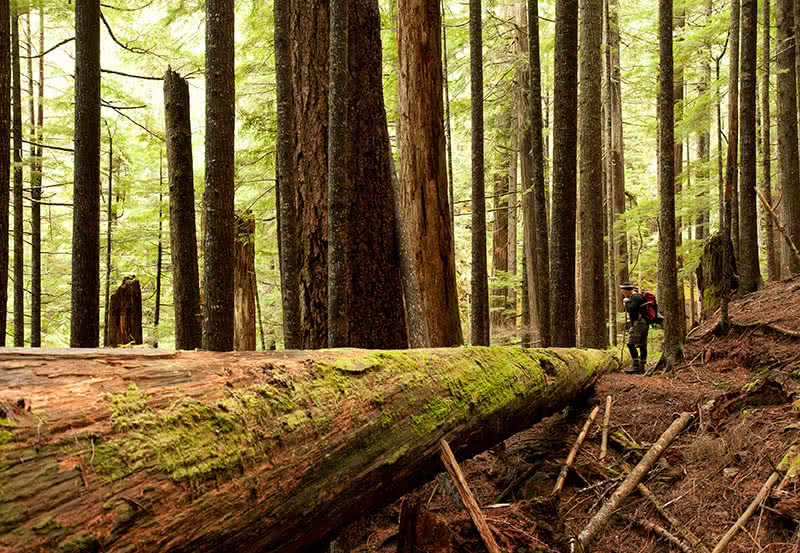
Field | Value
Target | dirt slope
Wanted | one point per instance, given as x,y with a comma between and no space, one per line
706,479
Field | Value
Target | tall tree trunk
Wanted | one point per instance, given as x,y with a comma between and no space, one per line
218,200
593,329
678,97
786,104
285,144
36,198
5,165
244,297
538,250
19,246
422,166
750,271
773,267
85,323
499,295
720,172
479,316
182,229
617,149
159,260
703,174
109,221
565,100
339,192
667,262
448,127
613,294
524,192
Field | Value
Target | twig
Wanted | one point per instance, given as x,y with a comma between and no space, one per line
435,489
762,495
571,457
521,478
467,498
684,532
663,532
778,223
606,418
601,518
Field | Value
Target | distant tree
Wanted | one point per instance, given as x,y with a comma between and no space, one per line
85,323
182,230
499,294
592,277
667,262
479,317
538,248
339,193
703,173
284,146
786,105
679,22
5,165
109,226
36,197
565,100
19,245
773,265
750,271
219,192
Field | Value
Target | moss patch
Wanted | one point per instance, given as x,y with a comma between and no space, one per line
80,543
46,526
11,517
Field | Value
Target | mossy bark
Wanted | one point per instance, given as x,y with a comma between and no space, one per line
710,274
212,452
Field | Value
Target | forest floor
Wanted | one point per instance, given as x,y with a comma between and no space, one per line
740,387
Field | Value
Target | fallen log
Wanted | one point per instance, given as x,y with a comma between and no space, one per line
128,450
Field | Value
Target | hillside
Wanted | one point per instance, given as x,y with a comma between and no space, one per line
739,386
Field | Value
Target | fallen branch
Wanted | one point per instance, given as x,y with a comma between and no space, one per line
452,467
776,328
683,532
778,223
574,452
663,532
628,485
762,495
606,418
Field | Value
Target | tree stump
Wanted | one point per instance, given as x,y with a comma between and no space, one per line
711,276
244,294
125,314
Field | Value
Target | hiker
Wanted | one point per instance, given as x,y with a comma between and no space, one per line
639,327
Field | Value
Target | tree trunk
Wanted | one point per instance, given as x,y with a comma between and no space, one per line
538,249
667,262
182,230
244,297
613,294
422,167
593,325
35,193
36,198
711,273
85,321
219,193
703,174
678,97
479,316
125,314
339,192
285,141
19,246
617,149
5,164
787,131
499,294
750,280
200,452
109,222
565,100
448,128
159,257
773,267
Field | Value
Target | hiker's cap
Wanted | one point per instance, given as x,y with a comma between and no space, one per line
626,286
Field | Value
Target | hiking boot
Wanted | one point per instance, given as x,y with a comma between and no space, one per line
635,368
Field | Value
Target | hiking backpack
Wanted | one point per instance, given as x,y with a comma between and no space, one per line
650,309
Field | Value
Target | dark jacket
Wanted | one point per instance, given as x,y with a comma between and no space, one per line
634,306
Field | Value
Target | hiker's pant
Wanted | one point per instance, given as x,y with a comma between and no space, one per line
638,333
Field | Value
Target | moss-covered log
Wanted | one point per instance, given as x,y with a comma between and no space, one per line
131,451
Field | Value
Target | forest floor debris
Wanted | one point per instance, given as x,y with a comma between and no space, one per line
744,389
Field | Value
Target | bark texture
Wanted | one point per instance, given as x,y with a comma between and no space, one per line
244,293
85,322
786,105
19,245
36,197
711,273
565,105
125,314
183,232
750,280
593,325
210,452
773,267
219,192
422,167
